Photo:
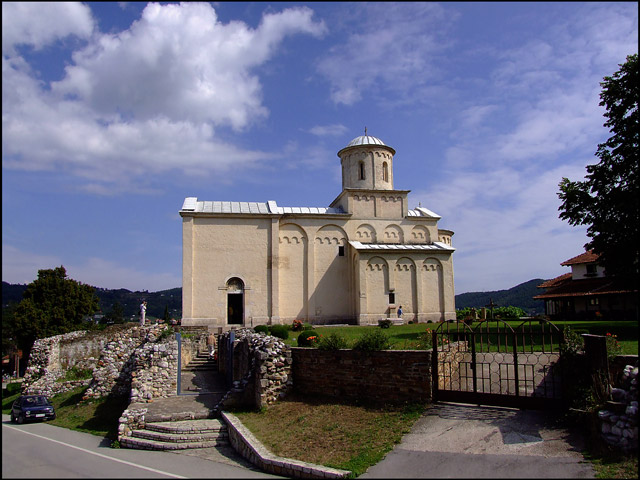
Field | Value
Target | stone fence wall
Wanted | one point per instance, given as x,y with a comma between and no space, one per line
114,371
156,371
618,423
389,376
45,368
260,367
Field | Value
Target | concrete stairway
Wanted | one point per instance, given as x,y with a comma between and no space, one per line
179,435
201,376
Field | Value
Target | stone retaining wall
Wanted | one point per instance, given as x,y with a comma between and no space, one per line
114,371
619,422
47,364
245,443
261,371
389,376
156,371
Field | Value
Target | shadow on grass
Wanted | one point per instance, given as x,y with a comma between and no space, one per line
106,415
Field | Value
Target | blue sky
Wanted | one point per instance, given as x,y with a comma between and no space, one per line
113,113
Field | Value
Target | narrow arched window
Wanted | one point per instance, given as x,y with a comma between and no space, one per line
361,170
385,172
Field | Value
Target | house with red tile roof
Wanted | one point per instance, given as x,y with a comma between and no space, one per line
588,293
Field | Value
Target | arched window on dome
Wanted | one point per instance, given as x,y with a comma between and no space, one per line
361,170
385,172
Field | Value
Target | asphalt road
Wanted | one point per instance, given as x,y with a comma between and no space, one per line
468,441
41,450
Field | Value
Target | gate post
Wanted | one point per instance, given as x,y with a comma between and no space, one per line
434,366
232,338
179,339
516,373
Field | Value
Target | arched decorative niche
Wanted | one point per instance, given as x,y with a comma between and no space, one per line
366,234
393,234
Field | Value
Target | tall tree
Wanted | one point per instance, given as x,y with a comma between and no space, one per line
51,305
116,315
607,201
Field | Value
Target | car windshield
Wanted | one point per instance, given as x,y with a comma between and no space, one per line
36,401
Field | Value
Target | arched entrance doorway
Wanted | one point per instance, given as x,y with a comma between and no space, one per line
235,301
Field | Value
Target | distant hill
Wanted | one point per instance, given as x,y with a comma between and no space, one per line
518,296
130,301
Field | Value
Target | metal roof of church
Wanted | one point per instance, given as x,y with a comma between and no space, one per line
438,246
192,204
365,140
422,212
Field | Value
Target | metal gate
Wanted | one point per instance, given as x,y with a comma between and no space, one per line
495,364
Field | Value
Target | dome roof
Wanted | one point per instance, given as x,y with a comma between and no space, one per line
365,140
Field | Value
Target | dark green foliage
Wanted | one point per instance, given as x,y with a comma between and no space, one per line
166,316
166,333
520,296
608,200
308,338
333,341
116,315
13,388
52,304
261,329
384,323
373,340
505,313
75,373
280,331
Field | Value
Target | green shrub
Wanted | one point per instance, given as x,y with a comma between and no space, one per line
308,338
13,388
332,342
297,326
75,373
261,329
384,323
280,331
372,341
166,333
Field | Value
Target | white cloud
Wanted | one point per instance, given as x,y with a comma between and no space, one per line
392,49
146,101
22,267
19,266
40,23
179,61
329,130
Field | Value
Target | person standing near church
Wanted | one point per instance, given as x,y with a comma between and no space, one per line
400,311
143,312
211,344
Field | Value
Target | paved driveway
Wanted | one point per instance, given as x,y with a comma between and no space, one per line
468,441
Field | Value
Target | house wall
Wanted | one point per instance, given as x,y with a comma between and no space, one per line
579,271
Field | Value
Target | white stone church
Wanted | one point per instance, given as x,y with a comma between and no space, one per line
357,261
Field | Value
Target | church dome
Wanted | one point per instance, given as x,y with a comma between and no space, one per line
365,140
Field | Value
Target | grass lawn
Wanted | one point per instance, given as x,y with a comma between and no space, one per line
405,337
98,417
346,436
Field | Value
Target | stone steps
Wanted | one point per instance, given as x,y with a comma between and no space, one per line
179,435
200,363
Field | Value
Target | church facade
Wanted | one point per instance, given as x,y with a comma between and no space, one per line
357,261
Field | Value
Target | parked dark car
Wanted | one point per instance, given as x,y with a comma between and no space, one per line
32,407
